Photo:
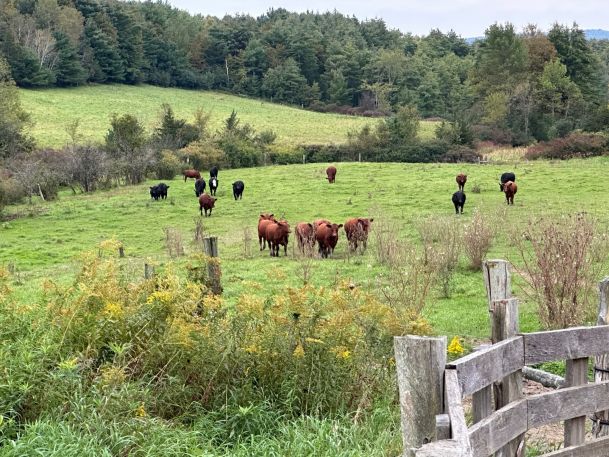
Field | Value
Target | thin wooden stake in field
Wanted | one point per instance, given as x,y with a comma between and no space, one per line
210,246
420,366
148,271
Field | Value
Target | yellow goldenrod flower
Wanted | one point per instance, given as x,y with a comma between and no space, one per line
455,348
140,411
299,351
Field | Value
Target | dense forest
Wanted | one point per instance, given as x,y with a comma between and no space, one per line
518,85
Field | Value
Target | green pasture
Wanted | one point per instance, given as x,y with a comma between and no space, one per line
45,239
53,109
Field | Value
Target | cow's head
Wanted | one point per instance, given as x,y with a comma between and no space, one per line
364,224
267,217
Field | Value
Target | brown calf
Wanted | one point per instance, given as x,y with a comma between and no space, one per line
277,234
263,222
191,174
331,173
510,188
206,203
461,180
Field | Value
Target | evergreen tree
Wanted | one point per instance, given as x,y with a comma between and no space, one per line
68,69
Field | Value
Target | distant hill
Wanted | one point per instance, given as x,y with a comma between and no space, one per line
591,34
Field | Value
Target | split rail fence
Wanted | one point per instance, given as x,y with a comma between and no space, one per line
432,391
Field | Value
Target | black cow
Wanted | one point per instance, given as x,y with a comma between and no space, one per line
505,177
459,201
238,187
213,185
159,191
213,173
199,186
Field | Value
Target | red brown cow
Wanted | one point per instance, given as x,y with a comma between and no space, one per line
461,180
305,236
206,203
263,222
510,188
357,230
277,234
191,174
331,173
326,235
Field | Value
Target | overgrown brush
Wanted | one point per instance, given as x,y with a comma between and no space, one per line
478,237
441,237
173,242
104,347
561,259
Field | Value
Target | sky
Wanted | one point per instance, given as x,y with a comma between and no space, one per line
469,18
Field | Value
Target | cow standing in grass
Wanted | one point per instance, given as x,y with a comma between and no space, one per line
206,203
461,180
264,220
510,188
305,236
459,201
326,235
238,187
199,187
277,234
213,185
194,174
505,177
331,173
357,230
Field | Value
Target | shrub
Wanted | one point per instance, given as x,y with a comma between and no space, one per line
168,165
574,145
173,242
202,155
561,257
478,239
441,239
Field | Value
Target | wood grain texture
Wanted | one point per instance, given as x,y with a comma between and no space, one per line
567,403
596,448
480,369
454,407
494,432
571,343
420,366
576,375
602,361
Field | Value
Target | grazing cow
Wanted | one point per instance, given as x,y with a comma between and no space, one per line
263,222
459,201
505,177
357,230
305,236
461,180
510,188
326,235
213,173
199,187
191,174
206,203
238,187
331,173
213,185
277,234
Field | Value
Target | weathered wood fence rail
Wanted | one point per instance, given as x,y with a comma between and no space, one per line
432,392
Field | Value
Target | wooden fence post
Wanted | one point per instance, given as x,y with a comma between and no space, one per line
148,271
420,363
210,246
504,324
601,363
576,375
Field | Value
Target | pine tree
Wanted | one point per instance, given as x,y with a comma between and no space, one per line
68,69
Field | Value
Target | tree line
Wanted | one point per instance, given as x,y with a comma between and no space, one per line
520,86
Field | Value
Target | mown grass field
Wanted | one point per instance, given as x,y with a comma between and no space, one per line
46,240
53,109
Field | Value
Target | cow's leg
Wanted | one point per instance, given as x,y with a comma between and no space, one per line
456,208
201,210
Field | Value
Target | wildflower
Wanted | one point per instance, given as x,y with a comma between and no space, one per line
299,351
69,365
113,310
455,348
252,349
140,411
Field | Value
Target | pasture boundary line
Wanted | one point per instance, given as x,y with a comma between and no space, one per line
432,392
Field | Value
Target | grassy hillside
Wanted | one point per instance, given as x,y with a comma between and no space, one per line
55,233
52,109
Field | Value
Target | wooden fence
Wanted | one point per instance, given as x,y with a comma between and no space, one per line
432,391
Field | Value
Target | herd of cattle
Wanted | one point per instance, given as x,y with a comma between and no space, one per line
507,185
322,232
